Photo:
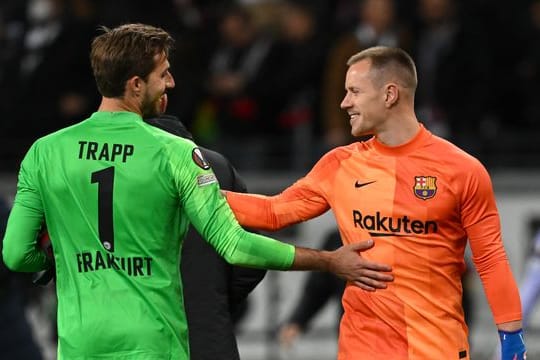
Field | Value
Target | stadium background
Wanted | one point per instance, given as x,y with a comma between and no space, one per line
260,91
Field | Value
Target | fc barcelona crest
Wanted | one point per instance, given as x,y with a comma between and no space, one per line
425,187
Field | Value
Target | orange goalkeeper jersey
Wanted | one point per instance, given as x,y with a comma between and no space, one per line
420,202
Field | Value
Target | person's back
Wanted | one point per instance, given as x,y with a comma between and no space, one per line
113,165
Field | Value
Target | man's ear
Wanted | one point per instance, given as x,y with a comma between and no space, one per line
134,86
391,95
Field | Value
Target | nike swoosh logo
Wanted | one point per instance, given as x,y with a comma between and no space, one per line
359,185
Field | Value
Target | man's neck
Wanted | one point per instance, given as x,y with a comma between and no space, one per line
116,104
399,131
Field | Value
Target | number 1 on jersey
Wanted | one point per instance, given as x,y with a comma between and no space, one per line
105,180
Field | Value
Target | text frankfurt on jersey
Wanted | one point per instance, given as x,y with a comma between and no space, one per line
379,225
97,261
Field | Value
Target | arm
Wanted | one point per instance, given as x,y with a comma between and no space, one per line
347,263
211,216
20,252
481,221
304,200
272,213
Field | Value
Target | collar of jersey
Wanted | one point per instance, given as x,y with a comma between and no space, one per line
115,116
416,142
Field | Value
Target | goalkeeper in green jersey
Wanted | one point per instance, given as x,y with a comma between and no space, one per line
117,196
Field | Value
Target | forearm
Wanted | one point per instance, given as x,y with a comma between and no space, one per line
492,265
310,259
258,251
501,292
20,252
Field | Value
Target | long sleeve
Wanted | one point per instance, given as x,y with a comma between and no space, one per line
481,221
26,217
302,201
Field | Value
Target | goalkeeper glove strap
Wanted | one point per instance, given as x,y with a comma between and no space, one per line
512,345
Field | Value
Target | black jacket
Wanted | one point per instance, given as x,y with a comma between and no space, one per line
213,289
319,288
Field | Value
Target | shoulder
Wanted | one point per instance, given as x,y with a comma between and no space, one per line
464,166
341,153
450,152
228,177
333,159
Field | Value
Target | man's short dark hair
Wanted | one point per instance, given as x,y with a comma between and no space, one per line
389,62
126,51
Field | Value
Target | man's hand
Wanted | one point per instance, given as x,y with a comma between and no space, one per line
347,263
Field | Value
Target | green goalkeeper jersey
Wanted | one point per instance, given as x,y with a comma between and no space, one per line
117,196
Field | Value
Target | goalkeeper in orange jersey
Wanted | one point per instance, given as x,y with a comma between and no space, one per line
421,199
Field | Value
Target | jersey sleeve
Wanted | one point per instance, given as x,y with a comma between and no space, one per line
20,252
480,219
303,200
209,213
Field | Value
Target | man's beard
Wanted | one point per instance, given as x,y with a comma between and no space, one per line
152,108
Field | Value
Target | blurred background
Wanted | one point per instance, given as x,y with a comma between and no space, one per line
261,82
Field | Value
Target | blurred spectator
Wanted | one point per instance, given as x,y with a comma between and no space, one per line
16,337
517,105
528,66
454,69
435,39
376,24
47,82
292,88
195,30
230,112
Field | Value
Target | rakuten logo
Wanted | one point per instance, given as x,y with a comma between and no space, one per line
378,225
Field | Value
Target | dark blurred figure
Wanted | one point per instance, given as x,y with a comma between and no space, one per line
376,23
47,82
455,68
528,66
518,104
215,292
291,89
439,27
318,290
16,337
196,32
231,106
